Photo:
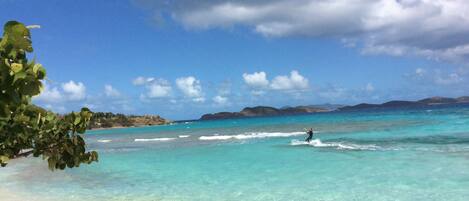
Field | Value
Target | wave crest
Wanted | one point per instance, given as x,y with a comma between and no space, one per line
337,145
250,136
154,139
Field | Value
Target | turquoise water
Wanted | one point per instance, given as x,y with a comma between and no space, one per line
376,155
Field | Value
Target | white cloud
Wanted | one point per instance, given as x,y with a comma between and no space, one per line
142,80
436,29
199,99
74,91
139,81
220,100
109,91
58,109
259,83
256,79
70,91
49,95
419,72
159,89
156,88
293,82
258,92
191,88
59,99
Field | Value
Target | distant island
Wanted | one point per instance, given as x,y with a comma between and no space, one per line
260,111
408,104
101,120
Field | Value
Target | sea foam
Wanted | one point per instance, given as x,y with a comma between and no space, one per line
318,143
250,136
104,141
154,139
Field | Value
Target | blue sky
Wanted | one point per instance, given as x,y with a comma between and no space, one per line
180,59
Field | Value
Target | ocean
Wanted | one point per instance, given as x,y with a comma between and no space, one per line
407,154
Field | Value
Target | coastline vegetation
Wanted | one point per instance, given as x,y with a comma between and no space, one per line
26,129
111,120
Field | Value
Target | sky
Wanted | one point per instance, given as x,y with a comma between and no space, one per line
181,59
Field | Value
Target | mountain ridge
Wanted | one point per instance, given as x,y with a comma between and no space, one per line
259,111
436,100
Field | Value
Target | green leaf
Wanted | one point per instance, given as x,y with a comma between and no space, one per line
31,88
16,67
77,120
39,71
4,159
20,75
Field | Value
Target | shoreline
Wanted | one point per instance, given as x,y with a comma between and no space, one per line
118,127
109,128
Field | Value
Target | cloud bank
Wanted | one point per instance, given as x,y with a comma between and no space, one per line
436,29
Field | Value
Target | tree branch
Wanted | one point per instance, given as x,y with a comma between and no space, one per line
24,154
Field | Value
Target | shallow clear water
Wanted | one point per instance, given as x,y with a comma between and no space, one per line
376,155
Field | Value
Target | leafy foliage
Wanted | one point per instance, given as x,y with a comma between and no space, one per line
27,129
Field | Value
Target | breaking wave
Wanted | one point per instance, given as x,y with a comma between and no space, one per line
155,139
250,136
337,145
104,141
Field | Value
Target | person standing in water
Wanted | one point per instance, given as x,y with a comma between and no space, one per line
310,135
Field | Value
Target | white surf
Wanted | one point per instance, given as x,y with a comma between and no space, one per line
250,135
337,145
154,139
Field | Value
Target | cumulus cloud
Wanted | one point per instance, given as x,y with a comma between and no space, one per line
110,91
256,79
142,80
58,109
259,83
293,82
436,29
191,88
139,81
50,94
159,89
74,91
69,91
59,97
156,88
220,100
